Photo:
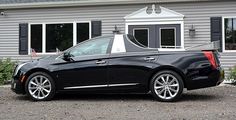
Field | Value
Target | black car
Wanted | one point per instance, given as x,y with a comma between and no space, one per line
118,64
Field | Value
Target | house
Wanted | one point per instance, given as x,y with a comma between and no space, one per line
51,25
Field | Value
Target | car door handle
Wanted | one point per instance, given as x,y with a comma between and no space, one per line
101,62
149,58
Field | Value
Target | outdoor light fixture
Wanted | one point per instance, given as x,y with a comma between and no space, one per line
192,31
116,31
2,13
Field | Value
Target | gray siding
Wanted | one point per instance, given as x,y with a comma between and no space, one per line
197,14
36,1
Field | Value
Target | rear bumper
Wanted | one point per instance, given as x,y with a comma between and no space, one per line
214,78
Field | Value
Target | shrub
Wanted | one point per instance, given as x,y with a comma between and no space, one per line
232,74
6,70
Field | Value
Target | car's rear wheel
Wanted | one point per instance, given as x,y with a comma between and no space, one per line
166,86
40,86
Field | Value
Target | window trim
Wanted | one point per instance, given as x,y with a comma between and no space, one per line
223,34
74,23
29,37
175,47
181,23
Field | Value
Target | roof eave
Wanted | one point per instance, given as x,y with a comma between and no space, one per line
71,3
85,3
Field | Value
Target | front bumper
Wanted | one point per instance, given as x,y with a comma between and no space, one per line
17,87
17,84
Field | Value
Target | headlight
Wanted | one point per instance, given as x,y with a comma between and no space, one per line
18,68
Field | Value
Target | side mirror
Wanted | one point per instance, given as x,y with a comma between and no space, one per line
67,56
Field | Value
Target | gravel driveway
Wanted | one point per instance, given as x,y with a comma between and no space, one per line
212,103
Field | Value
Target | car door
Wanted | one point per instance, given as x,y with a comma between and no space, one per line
87,66
130,70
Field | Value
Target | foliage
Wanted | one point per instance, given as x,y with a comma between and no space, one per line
232,74
6,70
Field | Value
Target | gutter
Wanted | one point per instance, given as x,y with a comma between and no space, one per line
88,3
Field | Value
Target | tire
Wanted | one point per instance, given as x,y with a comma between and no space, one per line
40,87
166,86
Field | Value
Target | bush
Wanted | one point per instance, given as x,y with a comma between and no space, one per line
232,74
6,70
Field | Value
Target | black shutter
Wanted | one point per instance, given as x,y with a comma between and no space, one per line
216,30
96,28
23,38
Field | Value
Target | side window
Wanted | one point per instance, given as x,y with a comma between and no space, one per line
91,47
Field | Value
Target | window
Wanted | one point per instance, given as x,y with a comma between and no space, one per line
82,32
230,33
92,47
59,36
167,37
49,38
132,39
141,36
36,37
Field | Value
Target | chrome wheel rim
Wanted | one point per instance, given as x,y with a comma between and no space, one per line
39,87
166,86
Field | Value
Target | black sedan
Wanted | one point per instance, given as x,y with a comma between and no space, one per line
117,64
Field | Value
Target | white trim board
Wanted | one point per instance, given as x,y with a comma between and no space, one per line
163,28
166,16
161,23
223,34
44,34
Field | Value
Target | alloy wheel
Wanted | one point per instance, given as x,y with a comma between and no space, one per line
166,86
39,87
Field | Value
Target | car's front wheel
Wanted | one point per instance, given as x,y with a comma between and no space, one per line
40,86
166,86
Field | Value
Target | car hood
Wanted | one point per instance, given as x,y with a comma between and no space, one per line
44,62
48,58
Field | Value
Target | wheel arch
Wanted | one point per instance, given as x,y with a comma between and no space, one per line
171,68
28,73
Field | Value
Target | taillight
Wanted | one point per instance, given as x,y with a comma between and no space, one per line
210,56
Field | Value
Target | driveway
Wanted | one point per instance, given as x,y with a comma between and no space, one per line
215,103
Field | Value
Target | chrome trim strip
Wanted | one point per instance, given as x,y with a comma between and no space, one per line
128,84
91,86
98,86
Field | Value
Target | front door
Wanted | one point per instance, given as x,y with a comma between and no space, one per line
157,36
87,66
84,72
